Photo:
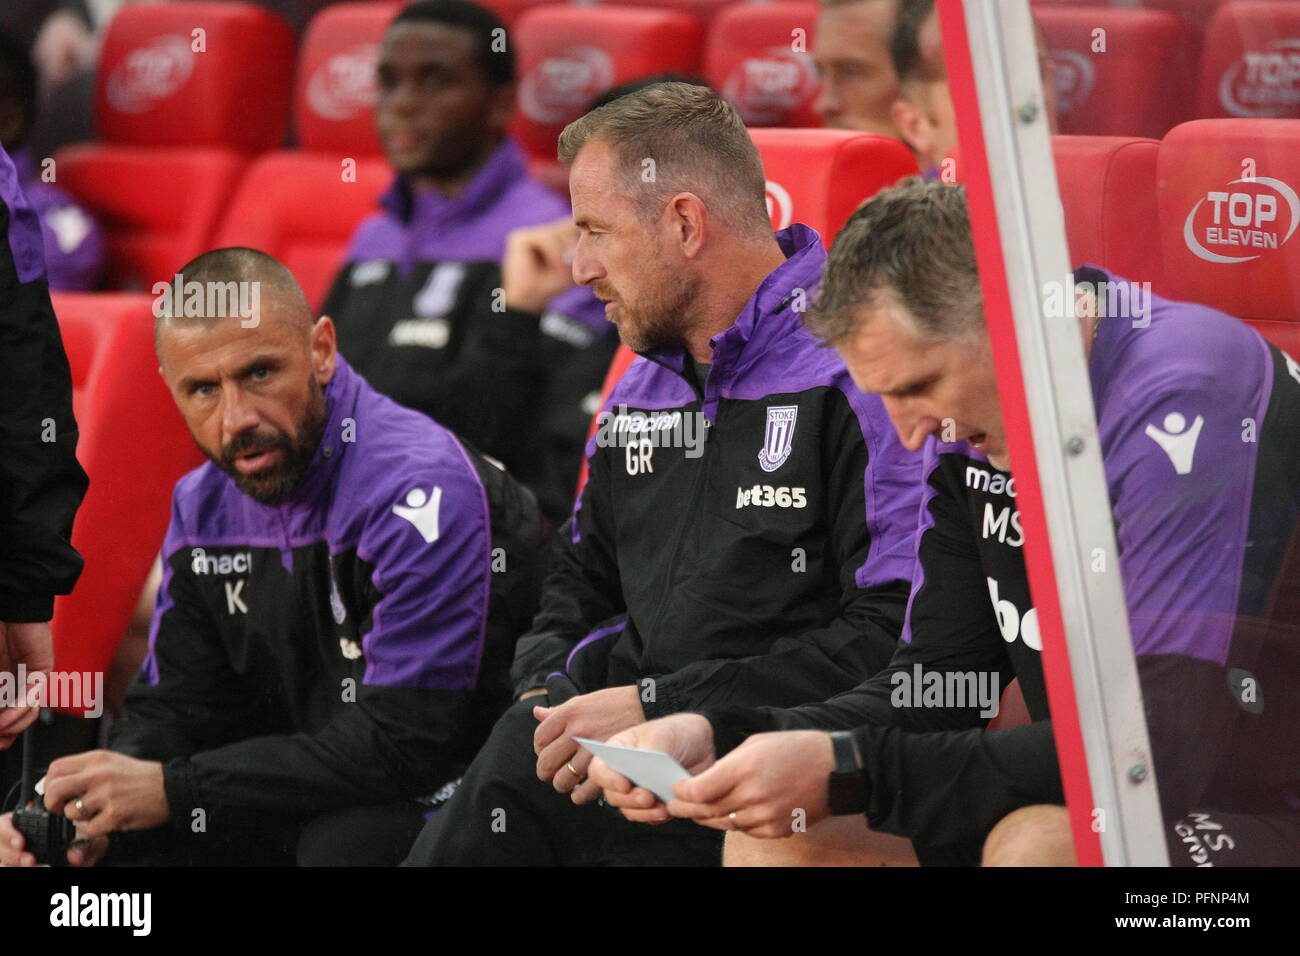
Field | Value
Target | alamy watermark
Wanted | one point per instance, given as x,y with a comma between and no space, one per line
642,431
213,300
1114,300
946,689
80,691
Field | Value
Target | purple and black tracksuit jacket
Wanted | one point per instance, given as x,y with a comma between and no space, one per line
769,564
349,646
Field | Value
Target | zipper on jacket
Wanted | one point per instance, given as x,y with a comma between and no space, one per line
675,550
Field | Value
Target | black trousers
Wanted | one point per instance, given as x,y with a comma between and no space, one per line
356,836
502,815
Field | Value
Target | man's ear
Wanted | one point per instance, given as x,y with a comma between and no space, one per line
690,220
324,350
913,127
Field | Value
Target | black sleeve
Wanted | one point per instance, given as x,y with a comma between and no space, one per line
490,393
952,787
583,587
41,482
861,639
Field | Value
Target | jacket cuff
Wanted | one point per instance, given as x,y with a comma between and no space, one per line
18,608
182,790
731,725
663,701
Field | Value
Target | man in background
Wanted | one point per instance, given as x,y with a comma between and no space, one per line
421,307
851,52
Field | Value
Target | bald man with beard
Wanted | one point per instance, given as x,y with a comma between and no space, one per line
342,585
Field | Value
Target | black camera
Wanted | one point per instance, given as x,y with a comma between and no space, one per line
46,835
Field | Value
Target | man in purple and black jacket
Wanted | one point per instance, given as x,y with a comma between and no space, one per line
1198,418
744,536
342,586
420,305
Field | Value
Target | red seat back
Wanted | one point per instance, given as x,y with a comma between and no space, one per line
759,56
1133,78
195,74
158,205
134,446
509,11
819,176
1229,212
703,10
334,92
1108,191
1251,63
185,93
567,55
302,208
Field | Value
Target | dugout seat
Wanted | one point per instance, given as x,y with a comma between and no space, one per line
759,56
819,176
175,127
302,206
568,55
1229,212
1251,63
134,446
1108,191
1138,84
703,10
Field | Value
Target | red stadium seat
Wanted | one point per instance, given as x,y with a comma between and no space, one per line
704,10
297,207
568,55
509,11
159,206
302,206
819,176
1108,190
1228,216
173,99
334,93
760,58
814,176
191,74
1137,84
1251,64
134,446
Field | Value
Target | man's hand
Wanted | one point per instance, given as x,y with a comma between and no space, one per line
769,782
538,264
598,715
12,851
116,792
687,738
33,646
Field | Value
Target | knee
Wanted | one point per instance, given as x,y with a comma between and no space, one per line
1031,836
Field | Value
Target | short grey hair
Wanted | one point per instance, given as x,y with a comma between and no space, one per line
698,144
911,242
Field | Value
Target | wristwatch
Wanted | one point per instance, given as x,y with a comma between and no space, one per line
848,790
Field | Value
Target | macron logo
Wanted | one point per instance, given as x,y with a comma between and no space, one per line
422,511
1177,440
